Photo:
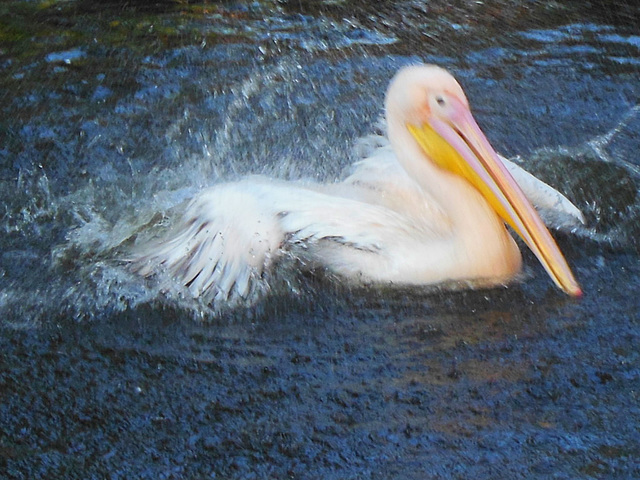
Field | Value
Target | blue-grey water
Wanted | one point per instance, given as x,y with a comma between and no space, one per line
115,113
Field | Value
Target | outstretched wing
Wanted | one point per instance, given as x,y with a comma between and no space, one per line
221,247
555,209
231,234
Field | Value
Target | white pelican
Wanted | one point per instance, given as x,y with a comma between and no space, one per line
429,208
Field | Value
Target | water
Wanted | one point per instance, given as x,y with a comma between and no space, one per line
113,116
108,138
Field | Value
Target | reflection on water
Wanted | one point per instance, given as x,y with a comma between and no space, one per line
107,129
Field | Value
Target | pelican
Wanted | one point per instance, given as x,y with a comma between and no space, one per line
428,208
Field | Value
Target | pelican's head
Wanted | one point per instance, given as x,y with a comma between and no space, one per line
428,103
419,92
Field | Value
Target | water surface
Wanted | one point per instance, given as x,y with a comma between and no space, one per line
114,113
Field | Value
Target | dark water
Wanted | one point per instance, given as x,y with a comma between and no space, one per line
115,112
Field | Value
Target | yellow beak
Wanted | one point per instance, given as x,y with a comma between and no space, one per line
457,144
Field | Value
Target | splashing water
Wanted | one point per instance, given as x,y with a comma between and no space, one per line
118,152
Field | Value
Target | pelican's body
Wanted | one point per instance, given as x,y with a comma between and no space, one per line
413,212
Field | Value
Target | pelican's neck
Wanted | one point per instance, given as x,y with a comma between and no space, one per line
477,231
434,180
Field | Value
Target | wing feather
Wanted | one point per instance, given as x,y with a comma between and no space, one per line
227,237
555,209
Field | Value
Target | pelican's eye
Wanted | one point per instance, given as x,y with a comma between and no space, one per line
440,100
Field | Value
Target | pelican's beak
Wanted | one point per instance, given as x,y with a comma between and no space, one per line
455,142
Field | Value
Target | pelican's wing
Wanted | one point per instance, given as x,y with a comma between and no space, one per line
226,239
555,209
370,226
358,239
231,234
